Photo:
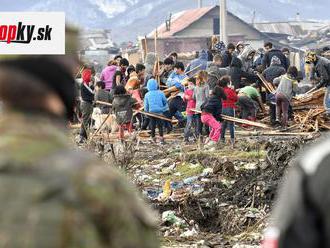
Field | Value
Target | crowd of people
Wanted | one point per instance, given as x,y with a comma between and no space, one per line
223,81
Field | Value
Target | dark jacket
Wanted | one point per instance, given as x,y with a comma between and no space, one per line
103,96
200,62
213,106
266,61
122,107
87,93
322,69
215,72
236,73
273,72
226,59
301,217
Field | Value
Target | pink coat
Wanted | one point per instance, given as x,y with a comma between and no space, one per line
191,103
107,76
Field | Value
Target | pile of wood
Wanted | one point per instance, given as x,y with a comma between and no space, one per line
309,113
308,101
310,120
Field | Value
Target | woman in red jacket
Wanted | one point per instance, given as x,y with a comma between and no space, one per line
228,108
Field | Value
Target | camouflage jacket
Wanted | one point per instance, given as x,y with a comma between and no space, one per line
54,196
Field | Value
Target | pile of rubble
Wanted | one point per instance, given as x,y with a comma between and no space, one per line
313,39
309,113
214,198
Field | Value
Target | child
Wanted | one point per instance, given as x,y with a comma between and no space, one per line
228,108
100,111
87,98
102,95
287,87
122,107
155,102
108,73
211,114
191,104
133,88
201,93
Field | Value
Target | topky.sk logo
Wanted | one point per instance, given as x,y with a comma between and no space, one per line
32,33
21,33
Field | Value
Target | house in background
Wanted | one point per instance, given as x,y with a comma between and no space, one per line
97,47
298,33
191,30
286,29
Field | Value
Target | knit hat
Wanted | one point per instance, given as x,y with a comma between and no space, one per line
86,76
220,46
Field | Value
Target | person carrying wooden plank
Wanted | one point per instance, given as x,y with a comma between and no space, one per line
122,107
176,104
248,100
228,108
322,69
287,86
155,102
211,114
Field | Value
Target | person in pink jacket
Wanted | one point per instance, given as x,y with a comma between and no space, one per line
108,73
191,104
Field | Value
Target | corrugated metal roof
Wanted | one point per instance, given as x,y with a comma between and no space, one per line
278,28
180,21
291,28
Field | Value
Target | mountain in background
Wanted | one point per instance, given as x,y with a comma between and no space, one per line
130,18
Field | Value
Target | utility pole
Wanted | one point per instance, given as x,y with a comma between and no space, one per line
200,4
223,21
253,18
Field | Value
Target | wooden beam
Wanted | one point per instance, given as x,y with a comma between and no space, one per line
267,85
237,120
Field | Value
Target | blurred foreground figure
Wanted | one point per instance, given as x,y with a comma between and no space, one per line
52,195
301,216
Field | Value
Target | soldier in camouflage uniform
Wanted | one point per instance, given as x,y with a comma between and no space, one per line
52,195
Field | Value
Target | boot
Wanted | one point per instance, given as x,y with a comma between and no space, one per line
232,143
162,141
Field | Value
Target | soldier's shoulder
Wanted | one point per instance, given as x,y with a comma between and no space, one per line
102,185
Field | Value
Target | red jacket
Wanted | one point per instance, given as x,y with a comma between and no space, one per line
191,103
231,98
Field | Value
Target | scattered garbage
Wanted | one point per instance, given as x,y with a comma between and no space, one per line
189,233
169,218
215,198
190,180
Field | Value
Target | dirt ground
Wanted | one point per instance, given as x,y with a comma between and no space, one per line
217,197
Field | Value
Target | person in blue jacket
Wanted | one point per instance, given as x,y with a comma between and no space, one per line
176,104
199,63
155,102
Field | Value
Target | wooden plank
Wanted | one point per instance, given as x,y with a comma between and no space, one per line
237,120
273,133
267,85
154,115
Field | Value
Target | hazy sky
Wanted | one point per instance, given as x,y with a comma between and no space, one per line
275,9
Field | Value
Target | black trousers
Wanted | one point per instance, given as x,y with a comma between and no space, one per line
248,108
155,122
86,110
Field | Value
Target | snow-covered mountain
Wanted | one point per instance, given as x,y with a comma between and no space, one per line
130,18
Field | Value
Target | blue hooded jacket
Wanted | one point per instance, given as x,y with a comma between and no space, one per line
176,80
155,100
200,61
